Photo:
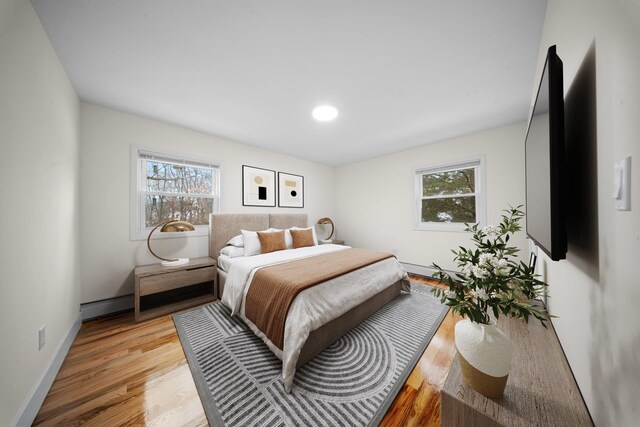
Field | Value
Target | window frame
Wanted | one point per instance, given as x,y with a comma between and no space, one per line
137,227
478,163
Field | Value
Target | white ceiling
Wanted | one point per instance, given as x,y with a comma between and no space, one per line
402,73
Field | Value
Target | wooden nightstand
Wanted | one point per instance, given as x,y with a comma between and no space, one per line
161,290
333,241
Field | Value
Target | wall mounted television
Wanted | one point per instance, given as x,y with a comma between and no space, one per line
545,163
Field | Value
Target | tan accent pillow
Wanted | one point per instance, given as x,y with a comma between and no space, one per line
271,241
302,238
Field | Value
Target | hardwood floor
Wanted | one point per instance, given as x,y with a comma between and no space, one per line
119,372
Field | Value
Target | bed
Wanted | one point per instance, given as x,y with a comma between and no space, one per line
319,315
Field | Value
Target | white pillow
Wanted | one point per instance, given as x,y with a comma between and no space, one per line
232,251
288,240
236,241
252,242
313,231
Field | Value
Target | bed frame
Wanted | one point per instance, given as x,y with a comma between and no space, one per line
223,227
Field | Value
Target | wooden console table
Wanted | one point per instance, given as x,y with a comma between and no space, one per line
541,390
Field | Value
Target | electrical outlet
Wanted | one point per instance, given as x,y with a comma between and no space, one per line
41,338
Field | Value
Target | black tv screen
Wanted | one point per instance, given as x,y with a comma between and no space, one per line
545,167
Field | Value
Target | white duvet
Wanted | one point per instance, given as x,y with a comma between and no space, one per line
314,306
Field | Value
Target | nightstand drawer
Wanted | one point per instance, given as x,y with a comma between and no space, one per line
177,279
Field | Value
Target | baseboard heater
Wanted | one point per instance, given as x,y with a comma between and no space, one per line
91,310
422,270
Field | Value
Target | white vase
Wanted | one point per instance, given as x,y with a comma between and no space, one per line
485,353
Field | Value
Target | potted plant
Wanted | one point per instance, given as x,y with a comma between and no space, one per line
491,281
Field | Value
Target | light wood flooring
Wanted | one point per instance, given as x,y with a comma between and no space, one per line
119,373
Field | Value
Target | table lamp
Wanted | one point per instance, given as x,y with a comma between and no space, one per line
170,226
327,221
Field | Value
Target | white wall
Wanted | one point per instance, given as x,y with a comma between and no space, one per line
375,198
39,195
595,293
108,256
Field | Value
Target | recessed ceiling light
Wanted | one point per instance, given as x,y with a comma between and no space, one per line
325,113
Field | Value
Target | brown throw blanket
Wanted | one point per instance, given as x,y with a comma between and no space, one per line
274,288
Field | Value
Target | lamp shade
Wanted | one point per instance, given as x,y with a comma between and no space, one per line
177,226
171,226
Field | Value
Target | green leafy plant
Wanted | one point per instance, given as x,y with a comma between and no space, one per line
491,278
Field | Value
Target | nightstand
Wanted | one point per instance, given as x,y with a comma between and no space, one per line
333,241
162,290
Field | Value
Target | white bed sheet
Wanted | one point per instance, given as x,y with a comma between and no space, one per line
313,307
225,261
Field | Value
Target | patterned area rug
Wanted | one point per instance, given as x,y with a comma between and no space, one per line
351,383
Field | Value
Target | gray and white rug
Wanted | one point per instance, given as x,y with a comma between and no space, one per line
351,383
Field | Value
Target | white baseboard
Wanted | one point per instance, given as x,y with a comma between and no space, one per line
91,310
32,405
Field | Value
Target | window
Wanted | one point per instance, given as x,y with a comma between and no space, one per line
172,187
447,196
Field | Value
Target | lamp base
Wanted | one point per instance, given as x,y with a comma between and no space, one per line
179,261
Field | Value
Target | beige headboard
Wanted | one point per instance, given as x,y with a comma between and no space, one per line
223,227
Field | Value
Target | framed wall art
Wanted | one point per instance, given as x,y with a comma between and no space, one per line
258,186
290,190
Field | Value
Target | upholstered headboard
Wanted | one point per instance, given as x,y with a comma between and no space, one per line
223,227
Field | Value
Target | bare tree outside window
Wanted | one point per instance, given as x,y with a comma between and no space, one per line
172,186
175,191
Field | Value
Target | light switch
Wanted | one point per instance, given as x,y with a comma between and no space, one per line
622,185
